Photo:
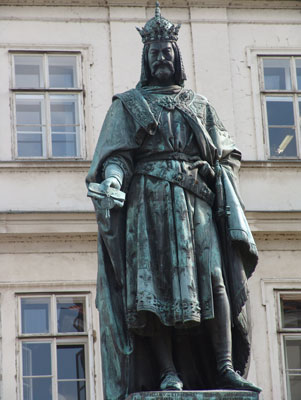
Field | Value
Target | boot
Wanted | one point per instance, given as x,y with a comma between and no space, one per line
230,379
220,328
171,381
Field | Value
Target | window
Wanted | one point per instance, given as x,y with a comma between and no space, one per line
47,96
281,95
290,329
54,342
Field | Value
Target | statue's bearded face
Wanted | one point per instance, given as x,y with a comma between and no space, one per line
161,58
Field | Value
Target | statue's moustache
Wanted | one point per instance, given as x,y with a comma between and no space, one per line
168,64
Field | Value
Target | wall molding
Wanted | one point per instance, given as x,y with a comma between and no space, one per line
267,4
79,223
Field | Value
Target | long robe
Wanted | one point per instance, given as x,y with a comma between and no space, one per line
156,253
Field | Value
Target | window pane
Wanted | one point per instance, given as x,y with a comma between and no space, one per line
71,362
70,314
29,110
280,110
294,387
36,359
64,128
291,313
282,142
30,145
35,314
29,71
298,70
62,71
72,390
37,389
277,74
64,118
64,145
29,128
293,353
63,110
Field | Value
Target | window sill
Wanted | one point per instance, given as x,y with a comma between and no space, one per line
19,165
271,164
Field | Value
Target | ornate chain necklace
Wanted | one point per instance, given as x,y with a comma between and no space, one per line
159,102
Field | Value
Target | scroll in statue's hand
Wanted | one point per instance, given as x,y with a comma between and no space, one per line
108,194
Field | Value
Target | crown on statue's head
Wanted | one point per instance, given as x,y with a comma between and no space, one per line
159,29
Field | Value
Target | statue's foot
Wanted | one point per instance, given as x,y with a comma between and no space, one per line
171,381
232,380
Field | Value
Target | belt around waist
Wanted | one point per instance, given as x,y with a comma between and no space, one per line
199,188
168,156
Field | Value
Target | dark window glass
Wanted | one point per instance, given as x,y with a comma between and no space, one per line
295,387
291,313
71,362
298,71
293,354
282,142
35,315
277,74
37,389
293,366
280,110
36,359
75,390
70,314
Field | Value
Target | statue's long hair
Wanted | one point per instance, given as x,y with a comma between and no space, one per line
145,76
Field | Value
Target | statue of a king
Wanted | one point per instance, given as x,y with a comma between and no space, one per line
175,256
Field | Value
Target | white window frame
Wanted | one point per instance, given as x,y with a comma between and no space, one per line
56,338
286,332
47,92
254,62
271,292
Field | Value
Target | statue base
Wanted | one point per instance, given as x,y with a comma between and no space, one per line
197,395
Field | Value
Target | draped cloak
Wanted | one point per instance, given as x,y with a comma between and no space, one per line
127,363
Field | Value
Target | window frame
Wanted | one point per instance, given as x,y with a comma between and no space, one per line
46,92
254,55
293,92
284,333
56,338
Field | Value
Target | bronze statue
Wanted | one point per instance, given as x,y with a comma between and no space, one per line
175,250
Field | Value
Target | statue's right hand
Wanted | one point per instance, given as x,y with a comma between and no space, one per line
110,182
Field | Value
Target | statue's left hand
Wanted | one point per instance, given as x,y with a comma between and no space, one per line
204,168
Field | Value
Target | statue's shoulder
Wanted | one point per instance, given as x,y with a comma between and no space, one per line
128,96
135,104
196,102
200,99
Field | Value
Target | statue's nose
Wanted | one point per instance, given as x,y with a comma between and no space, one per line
161,56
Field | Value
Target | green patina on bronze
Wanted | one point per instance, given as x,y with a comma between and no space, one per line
181,226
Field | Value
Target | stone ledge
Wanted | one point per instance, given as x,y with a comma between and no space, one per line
287,4
197,395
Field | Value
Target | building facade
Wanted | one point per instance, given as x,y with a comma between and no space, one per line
61,62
